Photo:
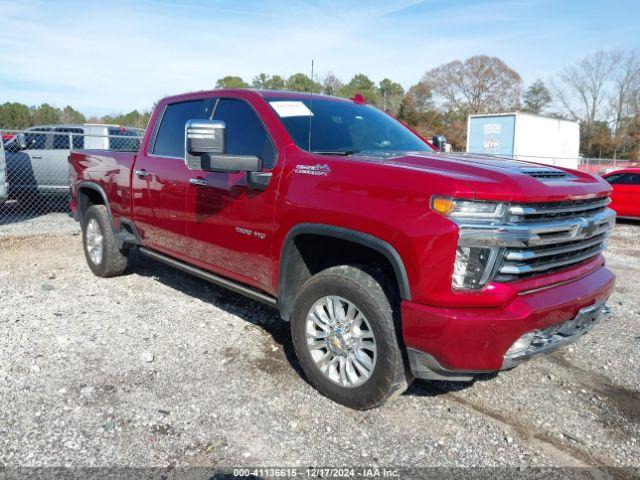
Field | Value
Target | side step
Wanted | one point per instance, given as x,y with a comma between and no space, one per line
211,277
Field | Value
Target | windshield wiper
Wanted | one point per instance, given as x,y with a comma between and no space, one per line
342,153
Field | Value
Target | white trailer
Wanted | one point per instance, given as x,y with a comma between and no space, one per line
525,136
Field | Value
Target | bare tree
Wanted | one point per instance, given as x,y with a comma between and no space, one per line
581,89
330,84
480,84
625,96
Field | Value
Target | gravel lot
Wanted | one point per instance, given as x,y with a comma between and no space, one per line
157,368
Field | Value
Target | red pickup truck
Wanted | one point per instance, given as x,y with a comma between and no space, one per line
389,259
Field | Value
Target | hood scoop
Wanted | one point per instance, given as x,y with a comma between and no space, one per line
546,174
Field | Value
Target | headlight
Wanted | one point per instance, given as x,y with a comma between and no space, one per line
475,263
468,209
473,267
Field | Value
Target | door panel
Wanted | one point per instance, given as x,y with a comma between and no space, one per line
634,201
617,199
160,179
51,165
231,224
159,194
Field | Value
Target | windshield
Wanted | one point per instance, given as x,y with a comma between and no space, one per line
342,127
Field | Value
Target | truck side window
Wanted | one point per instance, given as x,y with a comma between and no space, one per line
246,135
624,179
170,137
35,141
614,179
61,142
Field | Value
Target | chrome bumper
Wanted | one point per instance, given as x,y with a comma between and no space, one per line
556,336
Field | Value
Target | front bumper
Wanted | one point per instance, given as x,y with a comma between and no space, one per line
556,336
460,343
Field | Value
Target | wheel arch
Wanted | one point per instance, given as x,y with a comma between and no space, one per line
88,193
293,271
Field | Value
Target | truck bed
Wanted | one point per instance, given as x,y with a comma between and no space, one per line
108,169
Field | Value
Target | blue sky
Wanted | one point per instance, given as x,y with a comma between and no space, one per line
105,57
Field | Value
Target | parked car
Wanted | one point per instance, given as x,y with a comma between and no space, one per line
6,137
390,260
37,159
625,198
3,176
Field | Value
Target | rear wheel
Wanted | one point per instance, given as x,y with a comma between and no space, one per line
101,250
344,335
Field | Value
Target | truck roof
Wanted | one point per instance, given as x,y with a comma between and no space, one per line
260,92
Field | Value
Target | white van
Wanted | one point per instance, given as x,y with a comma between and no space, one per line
3,175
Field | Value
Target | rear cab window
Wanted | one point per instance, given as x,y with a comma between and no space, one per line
169,138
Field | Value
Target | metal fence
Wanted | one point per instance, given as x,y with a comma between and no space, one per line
34,171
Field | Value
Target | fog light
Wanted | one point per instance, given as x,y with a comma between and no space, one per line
522,344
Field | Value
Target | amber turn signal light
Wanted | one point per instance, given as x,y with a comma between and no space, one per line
442,205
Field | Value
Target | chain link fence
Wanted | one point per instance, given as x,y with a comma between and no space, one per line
34,168
34,173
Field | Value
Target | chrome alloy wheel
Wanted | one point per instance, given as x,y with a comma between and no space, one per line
341,341
94,241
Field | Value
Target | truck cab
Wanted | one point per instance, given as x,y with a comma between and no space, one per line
390,260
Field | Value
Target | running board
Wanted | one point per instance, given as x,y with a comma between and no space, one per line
211,277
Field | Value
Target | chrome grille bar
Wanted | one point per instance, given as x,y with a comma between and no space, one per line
533,234
559,210
519,269
522,255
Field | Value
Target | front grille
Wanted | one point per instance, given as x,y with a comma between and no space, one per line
554,236
533,212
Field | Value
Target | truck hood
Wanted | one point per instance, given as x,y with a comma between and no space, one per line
494,178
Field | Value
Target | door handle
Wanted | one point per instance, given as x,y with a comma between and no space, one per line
198,181
141,173
36,157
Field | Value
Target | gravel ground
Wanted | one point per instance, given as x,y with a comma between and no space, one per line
157,368
36,219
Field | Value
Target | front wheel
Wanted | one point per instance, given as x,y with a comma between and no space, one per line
344,336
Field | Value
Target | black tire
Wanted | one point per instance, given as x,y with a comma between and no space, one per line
114,260
370,291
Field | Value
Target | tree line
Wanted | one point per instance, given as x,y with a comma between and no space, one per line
601,91
17,116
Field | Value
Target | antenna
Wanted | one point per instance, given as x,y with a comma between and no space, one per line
310,105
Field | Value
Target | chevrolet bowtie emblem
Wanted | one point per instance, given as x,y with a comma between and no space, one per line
588,227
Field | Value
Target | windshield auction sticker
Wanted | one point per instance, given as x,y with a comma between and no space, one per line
291,109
